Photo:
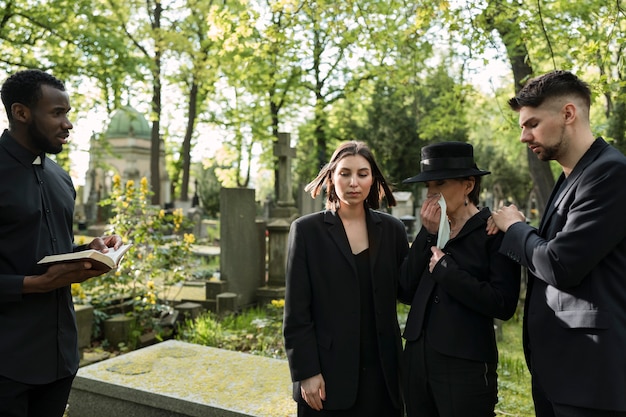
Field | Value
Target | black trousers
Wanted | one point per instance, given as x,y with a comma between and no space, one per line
437,385
26,400
546,408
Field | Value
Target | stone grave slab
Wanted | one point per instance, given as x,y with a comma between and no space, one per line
177,379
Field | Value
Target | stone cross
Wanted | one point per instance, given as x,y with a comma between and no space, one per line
284,152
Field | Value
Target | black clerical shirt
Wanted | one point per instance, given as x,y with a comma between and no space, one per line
38,337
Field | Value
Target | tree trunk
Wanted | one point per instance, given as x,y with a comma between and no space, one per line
511,34
155,137
186,151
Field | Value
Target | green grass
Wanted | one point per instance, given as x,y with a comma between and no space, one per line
514,395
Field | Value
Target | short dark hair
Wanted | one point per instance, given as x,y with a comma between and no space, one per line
25,87
379,187
553,84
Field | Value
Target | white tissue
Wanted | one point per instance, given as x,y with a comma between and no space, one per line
444,227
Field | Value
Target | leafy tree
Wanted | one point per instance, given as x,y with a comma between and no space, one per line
206,36
391,130
277,55
507,21
142,23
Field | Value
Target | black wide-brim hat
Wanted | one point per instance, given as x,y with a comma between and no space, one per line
446,160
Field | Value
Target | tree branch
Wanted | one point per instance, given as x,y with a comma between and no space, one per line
545,33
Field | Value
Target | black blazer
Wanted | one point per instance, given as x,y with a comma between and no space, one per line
575,313
322,303
469,287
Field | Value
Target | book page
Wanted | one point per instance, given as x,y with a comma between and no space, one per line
109,259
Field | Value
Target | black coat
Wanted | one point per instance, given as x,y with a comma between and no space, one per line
469,287
575,313
322,303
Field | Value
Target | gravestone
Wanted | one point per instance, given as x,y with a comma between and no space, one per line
84,324
285,206
308,204
281,216
241,247
404,211
195,216
178,379
404,204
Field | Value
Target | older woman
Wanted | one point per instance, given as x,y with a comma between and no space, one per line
340,327
456,283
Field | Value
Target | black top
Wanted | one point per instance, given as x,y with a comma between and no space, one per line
38,331
369,340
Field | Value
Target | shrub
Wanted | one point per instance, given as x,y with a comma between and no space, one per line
256,330
157,260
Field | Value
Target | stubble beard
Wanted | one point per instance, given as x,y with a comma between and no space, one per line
553,152
40,141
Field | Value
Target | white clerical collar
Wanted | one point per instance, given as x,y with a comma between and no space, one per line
37,160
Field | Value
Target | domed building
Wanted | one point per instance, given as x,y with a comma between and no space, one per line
124,150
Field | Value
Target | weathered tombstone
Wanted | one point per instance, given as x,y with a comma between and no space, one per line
404,211
226,303
118,329
308,204
281,216
404,204
278,232
240,244
189,310
178,379
195,216
285,205
84,323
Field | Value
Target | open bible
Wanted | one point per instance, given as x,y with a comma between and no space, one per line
99,260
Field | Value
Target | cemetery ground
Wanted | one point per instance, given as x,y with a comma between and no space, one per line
257,331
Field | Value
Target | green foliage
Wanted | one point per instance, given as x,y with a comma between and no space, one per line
391,130
497,149
251,69
400,119
257,330
160,255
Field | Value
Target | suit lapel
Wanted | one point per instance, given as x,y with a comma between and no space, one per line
562,189
338,235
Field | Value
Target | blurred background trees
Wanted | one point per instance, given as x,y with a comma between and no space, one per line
219,79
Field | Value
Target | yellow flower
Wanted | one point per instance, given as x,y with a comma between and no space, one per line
278,303
189,238
144,186
77,291
151,298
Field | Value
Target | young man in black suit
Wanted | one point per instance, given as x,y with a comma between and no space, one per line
575,313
